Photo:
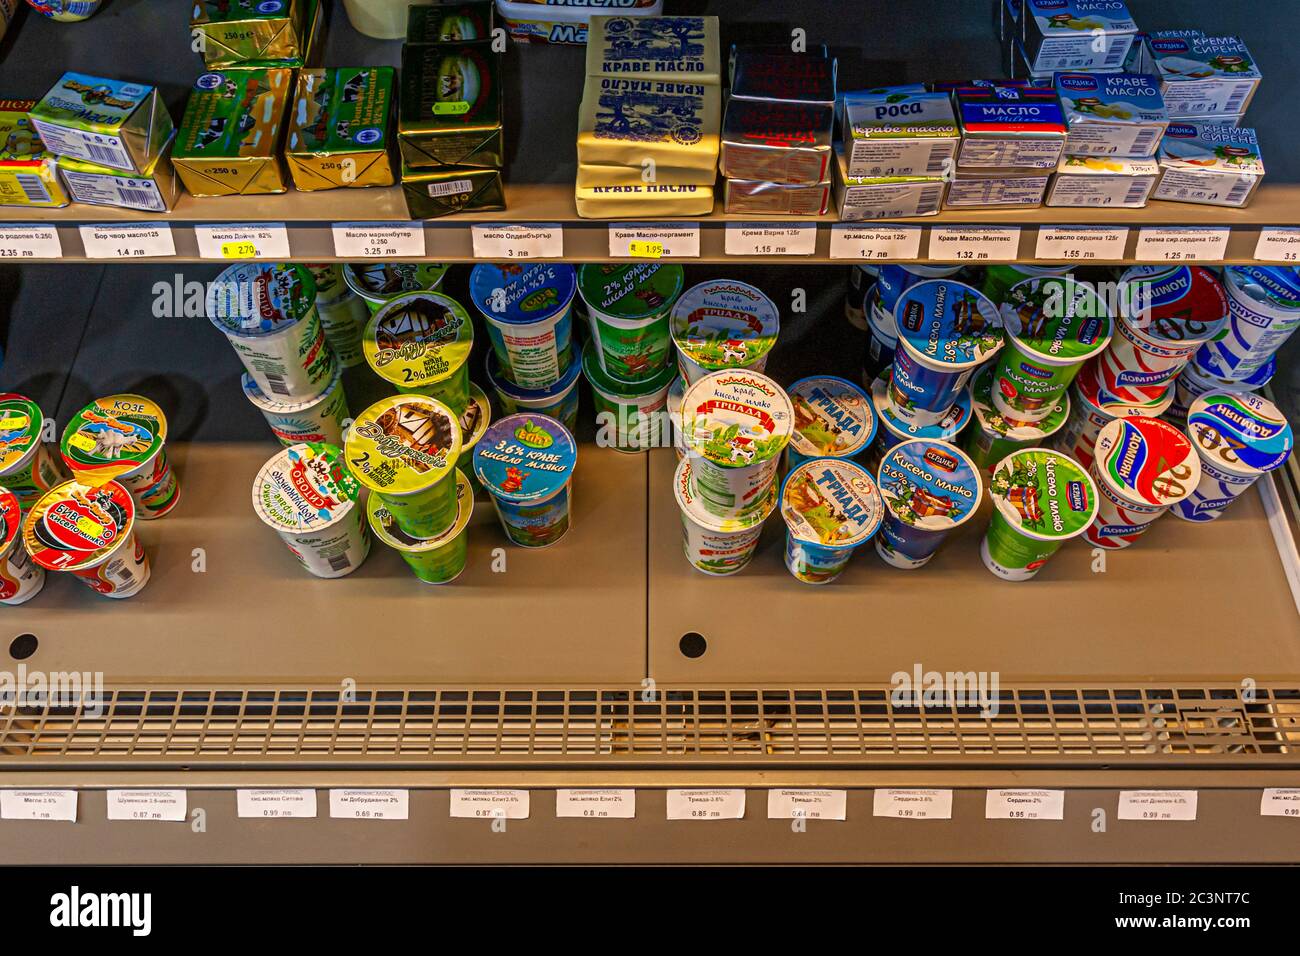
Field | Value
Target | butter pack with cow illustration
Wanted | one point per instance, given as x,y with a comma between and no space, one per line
338,130
230,136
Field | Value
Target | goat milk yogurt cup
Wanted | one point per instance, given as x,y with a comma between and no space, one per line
27,468
627,312
559,401
1142,467
420,343
122,437
723,324
526,463
1264,308
21,578
833,418
528,308
831,507
90,532
437,560
1041,499
929,488
716,545
893,429
308,496
629,417
1092,406
317,419
378,282
994,435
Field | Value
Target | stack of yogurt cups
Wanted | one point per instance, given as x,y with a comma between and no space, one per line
878,304
376,283
28,471
1264,311
723,324
420,343
1142,467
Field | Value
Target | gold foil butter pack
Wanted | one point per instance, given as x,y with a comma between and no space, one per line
231,32
28,171
338,128
450,106
431,193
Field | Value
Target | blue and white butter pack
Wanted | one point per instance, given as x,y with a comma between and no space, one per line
1076,35
1204,76
1112,114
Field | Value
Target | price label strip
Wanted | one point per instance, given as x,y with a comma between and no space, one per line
143,240
807,804
912,804
237,241
1081,243
275,804
596,804
1181,243
1024,805
1280,802
706,804
502,242
379,240
370,804
654,241
975,243
29,242
490,804
168,806
873,243
1157,805
54,805
1278,244
770,239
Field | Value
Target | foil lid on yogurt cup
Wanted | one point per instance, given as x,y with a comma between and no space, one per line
305,487
1044,494
75,525
253,299
418,338
522,293
833,418
1170,305
930,485
736,418
991,419
724,322
831,503
385,280
403,444
113,436
948,323
1147,461
525,458
1240,431
630,291
20,428
1056,318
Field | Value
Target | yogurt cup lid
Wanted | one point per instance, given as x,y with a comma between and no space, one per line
305,487
1173,304
723,323
522,293
1280,284
11,520
946,429
75,525
403,444
637,290
20,428
253,299
259,398
384,280
525,458
694,509
531,395
991,419
736,418
833,418
1094,392
112,436
948,323
1147,461
930,485
419,338
1043,494
390,532
1257,435
603,382
831,503
1056,318
477,417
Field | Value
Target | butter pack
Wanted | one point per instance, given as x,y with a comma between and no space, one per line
28,171
449,22
1211,163
601,175
975,189
338,128
776,141
431,193
154,190
107,122
653,200
1112,114
230,137
788,77
237,31
781,199
625,121
663,48
1076,35
861,199
1204,76
1009,128
901,134
1103,182
450,106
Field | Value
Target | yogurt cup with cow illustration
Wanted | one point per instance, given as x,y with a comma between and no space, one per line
1092,407
473,425
893,429
268,314
317,419
1264,308
946,330
715,545
993,435
343,313
405,450
1195,380
1053,325
1142,467
306,494
21,578
123,437
437,560
723,324
735,425
375,283
1239,437
627,311
88,531
528,308
629,417
676,395
27,468
526,463
893,280
1041,499
833,418
559,401
420,344
1000,278
831,507
929,488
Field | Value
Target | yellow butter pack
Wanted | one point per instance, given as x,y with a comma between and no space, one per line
338,128
28,171
650,201
625,121
663,48
440,192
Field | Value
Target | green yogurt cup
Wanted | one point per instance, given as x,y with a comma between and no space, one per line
377,283
475,421
627,308
992,436
631,418
437,560
420,344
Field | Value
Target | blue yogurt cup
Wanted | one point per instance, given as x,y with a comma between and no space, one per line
528,311
929,487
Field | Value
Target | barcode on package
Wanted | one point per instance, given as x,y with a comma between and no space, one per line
277,384
1239,93
142,199
339,561
451,188
1240,191
1143,141
940,160
928,202
1137,192
33,188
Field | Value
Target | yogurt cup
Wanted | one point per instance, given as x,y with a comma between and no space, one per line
1238,436
714,545
437,560
735,425
1053,325
676,395
526,463
833,418
375,283
1092,407
343,313
123,437
893,429
473,424
306,494
528,308
882,342
1141,468
630,418
1264,307
1041,499
560,401
627,308
993,435
405,450
831,507
66,11
27,468
311,420
420,343
90,532
21,578
723,324
929,488
998,279
1195,380
893,280
946,330
268,314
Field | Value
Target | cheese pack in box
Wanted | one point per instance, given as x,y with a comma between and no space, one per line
1204,76
28,171
1112,114
1211,163
665,48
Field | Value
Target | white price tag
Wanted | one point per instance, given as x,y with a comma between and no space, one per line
166,805
975,243
1280,802
870,243
38,805
379,240
1024,805
370,804
1278,244
30,242
136,240
770,239
535,241
1181,243
706,804
236,241
275,804
1157,805
1081,243
596,804
912,804
807,804
654,241
490,804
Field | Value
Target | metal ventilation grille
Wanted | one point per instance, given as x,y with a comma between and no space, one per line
766,725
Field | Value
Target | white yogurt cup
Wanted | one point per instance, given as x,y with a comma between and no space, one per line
676,393
1264,309
317,419
343,313
713,545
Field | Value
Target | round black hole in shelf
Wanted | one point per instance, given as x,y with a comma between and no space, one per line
693,645
22,647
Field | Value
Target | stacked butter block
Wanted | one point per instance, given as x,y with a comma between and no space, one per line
1012,140
649,120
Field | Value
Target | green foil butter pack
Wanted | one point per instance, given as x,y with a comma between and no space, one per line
449,22
107,122
236,31
450,112
440,192
338,128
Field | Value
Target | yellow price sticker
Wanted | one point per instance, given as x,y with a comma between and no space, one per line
12,421
639,249
239,250
453,108
84,442
90,527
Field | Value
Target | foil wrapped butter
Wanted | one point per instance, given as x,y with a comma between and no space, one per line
449,22
338,128
664,48
104,121
782,199
652,200
154,190
625,121
431,193
28,171
778,142
450,106
237,32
